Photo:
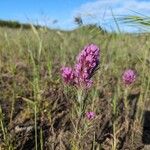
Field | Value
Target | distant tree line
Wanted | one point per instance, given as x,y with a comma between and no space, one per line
16,24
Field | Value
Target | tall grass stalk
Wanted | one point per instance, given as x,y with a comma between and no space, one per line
35,126
39,41
34,107
41,139
2,125
4,132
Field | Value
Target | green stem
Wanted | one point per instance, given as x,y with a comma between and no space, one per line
125,97
80,101
35,125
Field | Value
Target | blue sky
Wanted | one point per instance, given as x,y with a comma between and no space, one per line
92,11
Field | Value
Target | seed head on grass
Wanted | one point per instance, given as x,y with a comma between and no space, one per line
86,64
128,77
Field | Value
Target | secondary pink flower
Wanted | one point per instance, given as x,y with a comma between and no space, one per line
129,76
67,74
90,115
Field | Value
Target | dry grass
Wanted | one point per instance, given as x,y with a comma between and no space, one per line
39,112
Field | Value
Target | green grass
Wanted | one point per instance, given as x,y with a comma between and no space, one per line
30,62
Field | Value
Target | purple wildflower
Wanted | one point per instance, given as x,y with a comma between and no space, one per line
89,58
67,74
90,115
87,62
128,77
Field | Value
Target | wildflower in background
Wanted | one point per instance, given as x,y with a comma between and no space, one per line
86,64
90,115
129,76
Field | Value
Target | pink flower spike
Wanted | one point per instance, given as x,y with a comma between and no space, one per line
90,115
128,77
86,64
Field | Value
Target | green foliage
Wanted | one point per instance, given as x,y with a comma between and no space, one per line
138,20
16,24
91,28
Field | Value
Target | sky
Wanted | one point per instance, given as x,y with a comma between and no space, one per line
46,12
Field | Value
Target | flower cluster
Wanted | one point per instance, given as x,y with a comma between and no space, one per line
90,115
67,74
128,77
86,63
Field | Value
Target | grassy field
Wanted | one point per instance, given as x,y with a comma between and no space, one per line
39,111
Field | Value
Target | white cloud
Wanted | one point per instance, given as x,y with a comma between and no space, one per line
100,10
98,7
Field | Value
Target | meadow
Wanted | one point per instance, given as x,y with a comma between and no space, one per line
38,110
